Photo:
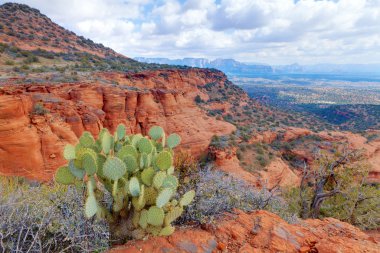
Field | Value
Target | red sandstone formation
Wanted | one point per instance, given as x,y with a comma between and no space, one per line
260,232
31,144
227,161
277,173
294,133
263,137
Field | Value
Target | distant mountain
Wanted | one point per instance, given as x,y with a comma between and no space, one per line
228,66
328,68
231,66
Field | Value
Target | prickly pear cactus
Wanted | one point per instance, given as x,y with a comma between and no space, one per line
136,170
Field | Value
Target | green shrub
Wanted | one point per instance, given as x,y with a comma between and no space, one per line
137,172
30,59
218,193
348,197
9,62
39,109
198,99
262,160
46,218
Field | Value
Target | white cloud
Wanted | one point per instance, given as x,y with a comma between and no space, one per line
273,31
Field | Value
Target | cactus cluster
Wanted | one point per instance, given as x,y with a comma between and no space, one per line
137,171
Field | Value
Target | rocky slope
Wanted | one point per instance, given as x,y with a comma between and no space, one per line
32,143
40,115
28,29
261,231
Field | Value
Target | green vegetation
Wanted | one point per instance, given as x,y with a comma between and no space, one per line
47,218
336,187
137,172
43,61
326,105
217,193
198,99
39,109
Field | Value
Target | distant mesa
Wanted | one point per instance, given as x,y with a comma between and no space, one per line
233,67
229,66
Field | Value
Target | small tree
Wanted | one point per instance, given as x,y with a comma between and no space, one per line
336,187
198,99
135,172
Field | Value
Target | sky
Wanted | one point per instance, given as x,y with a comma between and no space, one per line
265,31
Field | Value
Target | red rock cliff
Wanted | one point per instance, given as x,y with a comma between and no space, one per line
31,145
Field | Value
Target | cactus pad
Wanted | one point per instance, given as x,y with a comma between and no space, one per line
134,187
166,231
147,176
114,168
145,146
69,152
78,173
145,160
187,198
135,139
137,204
107,142
156,132
130,163
158,179
136,219
86,140
141,196
164,197
170,182
118,202
91,206
170,170
120,130
143,222
64,176
164,160
150,195
127,150
89,163
154,230
156,216
172,215
173,140
101,160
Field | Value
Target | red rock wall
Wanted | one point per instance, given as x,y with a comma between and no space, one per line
31,145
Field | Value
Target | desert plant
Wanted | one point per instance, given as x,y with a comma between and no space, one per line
198,99
39,109
336,187
46,218
218,193
138,173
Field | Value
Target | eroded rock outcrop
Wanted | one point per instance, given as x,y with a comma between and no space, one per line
32,143
260,231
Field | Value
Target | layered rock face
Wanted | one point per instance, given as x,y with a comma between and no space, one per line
32,144
260,232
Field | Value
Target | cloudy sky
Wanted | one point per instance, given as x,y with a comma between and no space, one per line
268,31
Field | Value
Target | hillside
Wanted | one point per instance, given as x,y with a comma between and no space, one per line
237,154
28,29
